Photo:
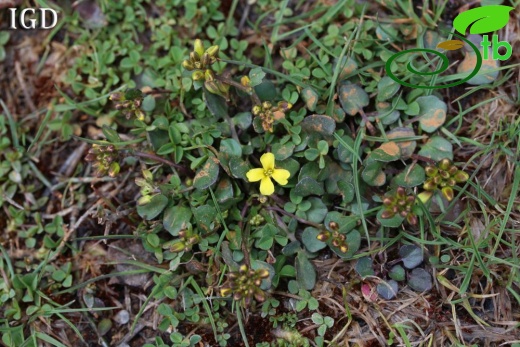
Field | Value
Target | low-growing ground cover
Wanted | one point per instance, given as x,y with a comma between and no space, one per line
254,173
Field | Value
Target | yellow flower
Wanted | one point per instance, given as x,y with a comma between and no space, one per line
266,172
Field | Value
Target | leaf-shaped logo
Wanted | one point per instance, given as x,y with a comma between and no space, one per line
451,45
482,19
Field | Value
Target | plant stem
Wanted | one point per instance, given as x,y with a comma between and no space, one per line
237,85
159,159
301,220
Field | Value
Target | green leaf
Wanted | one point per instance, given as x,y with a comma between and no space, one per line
420,280
411,176
308,186
364,267
310,241
216,104
437,148
310,96
256,76
387,88
317,211
305,272
266,91
387,152
231,147
282,151
110,134
407,147
153,208
291,248
207,175
205,216
482,19
373,173
352,98
387,289
432,112
397,273
320,124
148,104
238,167
176,218
411,255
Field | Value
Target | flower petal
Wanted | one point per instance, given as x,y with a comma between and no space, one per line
281,176
255,175
267,161
266,186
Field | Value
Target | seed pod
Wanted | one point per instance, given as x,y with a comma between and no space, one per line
343,248
333,226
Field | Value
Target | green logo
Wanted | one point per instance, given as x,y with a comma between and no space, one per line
479,20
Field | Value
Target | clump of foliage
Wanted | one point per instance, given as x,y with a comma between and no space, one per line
243,164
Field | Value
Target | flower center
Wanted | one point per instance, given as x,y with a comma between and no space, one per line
268,172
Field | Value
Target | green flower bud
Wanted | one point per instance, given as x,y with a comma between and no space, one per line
211,86
461,176
188,65
205,60
445,164
194,58
430,171
198,47
448,193
213,51
209,75
197,75
114,168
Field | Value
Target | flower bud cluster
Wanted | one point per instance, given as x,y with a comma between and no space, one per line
244,285
200,61
104,159
266,111
399,203
187,239
129,103
336,239
444,176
